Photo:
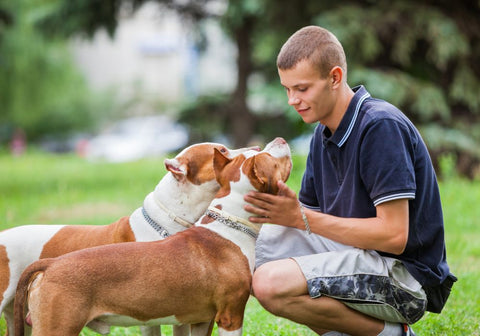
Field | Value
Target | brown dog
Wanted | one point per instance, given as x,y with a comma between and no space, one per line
193,277
178,201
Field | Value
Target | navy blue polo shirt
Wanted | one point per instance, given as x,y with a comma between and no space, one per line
377,155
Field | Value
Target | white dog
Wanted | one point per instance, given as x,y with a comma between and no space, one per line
177,202
194,277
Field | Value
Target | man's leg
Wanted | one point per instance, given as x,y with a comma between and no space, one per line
281,288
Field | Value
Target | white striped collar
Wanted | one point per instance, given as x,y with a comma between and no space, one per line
354,118
350,117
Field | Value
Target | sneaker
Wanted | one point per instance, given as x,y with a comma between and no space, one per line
407,330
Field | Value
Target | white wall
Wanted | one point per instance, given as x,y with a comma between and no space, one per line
152,53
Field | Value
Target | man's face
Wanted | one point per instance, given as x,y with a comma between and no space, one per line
308,93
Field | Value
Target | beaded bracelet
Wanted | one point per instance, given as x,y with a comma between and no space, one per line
305,220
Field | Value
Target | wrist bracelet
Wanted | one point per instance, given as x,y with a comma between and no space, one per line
305,220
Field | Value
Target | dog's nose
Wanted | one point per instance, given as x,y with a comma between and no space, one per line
280,141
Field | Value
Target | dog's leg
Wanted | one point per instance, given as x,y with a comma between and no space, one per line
151,331
10,321
8,314
47,329
202,329
99,327
223,332
181,330
59,314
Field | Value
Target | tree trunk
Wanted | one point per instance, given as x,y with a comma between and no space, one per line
242,121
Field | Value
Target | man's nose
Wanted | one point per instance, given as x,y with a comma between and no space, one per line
293,100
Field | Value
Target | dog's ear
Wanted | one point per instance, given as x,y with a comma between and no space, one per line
286,168
178,170
250,169
223,176
263,174
219,161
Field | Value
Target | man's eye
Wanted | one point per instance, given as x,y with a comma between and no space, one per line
302,89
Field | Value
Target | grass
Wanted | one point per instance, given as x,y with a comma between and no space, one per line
43,188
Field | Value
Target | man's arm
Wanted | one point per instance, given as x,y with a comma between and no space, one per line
387,232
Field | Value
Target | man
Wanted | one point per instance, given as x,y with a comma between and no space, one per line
376,256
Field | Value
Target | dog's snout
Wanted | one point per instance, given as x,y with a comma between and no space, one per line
278,147
279,141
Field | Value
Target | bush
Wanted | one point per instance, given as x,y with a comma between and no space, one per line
41,90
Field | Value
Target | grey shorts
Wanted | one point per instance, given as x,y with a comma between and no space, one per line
365,281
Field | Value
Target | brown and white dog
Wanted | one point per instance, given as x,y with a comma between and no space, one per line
194,277
178,201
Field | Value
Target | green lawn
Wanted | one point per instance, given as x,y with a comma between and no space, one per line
42,188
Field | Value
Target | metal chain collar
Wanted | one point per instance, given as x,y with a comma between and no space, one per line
230,223
160,229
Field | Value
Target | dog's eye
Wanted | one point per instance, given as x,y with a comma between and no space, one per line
223,150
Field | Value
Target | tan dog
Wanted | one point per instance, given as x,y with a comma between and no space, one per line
194,277
177,202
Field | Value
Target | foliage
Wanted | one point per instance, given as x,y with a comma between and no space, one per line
85,17
421,56
40,89
207,116
52,189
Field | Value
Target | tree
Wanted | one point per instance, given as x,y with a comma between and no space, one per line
420,55
40,89
423,57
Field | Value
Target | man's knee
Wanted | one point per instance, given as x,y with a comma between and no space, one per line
264,282
276,281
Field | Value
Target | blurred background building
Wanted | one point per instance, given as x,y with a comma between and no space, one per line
154,54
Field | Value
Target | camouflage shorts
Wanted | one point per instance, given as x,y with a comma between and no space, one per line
367,282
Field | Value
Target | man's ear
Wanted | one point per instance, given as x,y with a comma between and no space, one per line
178,170
336,76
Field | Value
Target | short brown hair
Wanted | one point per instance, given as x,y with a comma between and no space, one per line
315,44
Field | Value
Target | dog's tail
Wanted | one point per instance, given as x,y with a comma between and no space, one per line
21,296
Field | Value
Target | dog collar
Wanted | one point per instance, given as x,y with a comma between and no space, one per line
160,229
234,222
172,216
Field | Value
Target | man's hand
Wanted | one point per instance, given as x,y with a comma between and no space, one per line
282,209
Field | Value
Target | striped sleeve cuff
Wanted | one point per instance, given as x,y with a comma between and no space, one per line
383,199
311,207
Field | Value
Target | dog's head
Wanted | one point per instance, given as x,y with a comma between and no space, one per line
253,170
195,163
